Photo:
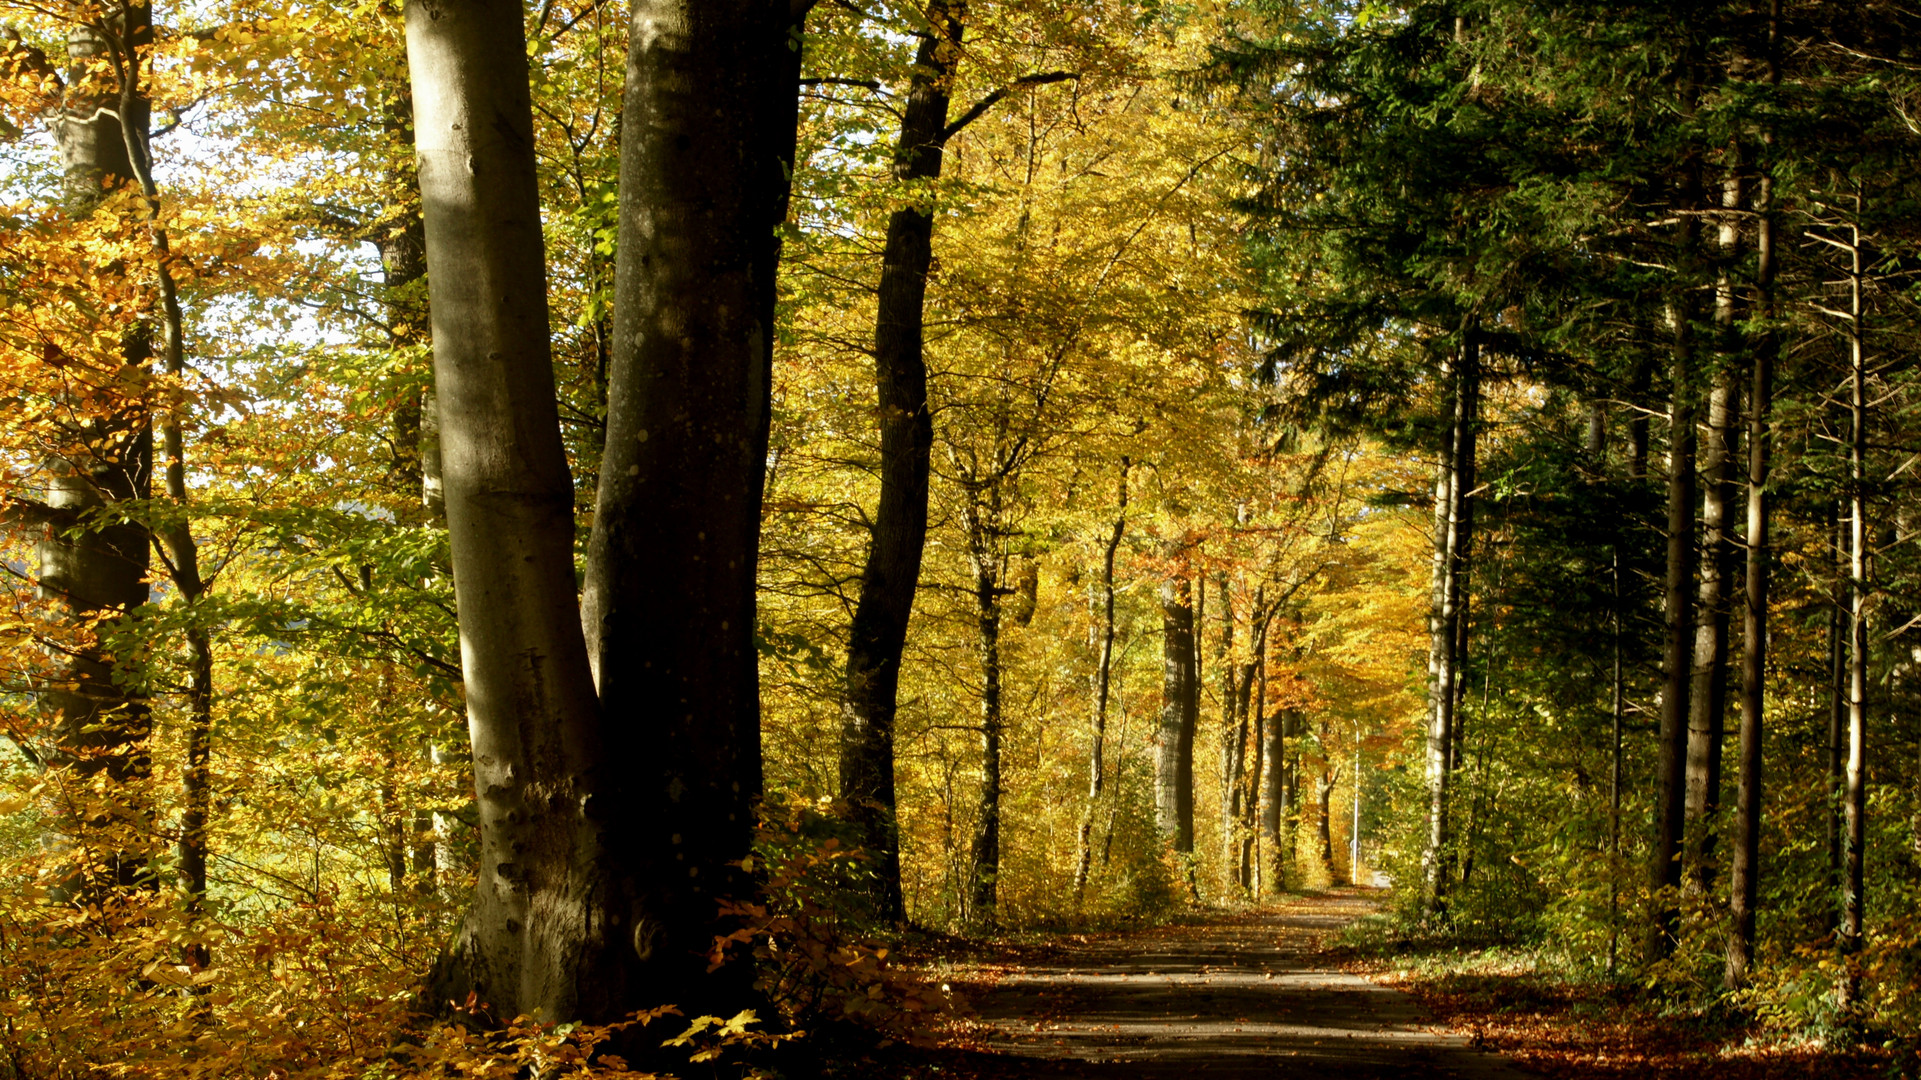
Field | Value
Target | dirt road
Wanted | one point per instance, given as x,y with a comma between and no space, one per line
1244,997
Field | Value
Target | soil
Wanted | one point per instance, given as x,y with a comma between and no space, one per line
1242,996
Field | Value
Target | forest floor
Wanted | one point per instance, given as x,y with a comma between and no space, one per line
1264,994
1230,998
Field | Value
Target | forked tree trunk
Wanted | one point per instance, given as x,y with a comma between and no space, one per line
878,632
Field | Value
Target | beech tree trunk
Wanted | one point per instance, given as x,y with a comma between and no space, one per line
878,633
987,554
1103,634
1274,809
707,146
97,574
549,931
1180,704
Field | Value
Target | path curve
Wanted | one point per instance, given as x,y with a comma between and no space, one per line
1242,997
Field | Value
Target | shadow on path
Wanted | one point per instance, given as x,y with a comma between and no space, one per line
1242,997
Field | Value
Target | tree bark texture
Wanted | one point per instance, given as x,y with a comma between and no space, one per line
549,931
1707,702
96,573
1664,874
1708,706
1453,543
1180,704
878,633
707,144
988,555
1745,877
1855,805
1101,682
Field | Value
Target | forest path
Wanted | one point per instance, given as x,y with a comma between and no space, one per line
1243,996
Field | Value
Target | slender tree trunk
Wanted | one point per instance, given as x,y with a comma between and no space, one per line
1744,886
1233,746
1618,712
1856,805
1678,654
1707,703
545,933
1174,743
1837,715
987,554
878,633
1103,635
181,552
1453,542
1324,792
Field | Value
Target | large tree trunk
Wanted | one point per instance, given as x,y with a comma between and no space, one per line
1103,634
97,573
549,931
878,633
1744,883
1180,701
707,145
1453,542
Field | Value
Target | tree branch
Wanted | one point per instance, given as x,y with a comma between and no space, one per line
994,98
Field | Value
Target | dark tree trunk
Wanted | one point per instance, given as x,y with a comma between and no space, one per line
707,145
1174,742
878,633
1837,713
987,553
1678,655
1744,884
1103,634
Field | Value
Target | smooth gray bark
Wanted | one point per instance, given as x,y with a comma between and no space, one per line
545,934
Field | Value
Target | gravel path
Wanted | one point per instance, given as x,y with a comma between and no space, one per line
1243,997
